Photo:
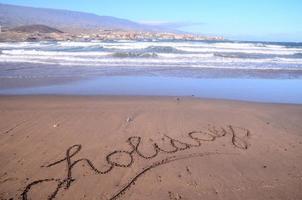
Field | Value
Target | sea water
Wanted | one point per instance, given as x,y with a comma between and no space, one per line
256,71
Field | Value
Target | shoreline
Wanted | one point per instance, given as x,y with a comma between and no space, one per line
243,89
140,97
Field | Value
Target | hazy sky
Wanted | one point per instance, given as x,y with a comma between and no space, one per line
277,20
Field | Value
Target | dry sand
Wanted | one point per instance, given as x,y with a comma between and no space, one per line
148,148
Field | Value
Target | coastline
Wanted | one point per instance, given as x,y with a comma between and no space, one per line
287,91
218,148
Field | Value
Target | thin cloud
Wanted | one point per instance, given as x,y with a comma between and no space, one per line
173,25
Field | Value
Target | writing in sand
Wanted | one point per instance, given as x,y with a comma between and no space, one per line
238,138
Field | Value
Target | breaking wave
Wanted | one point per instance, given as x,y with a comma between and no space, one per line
247,55
134,55
163,49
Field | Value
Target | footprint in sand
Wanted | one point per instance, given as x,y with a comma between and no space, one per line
129,119
159,179
56,125
174,196
188,170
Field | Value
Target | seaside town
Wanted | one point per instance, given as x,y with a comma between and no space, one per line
45,33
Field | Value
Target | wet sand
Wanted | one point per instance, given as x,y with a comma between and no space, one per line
256,90
102,147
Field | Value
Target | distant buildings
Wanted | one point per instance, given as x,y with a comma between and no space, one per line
134,35
89,35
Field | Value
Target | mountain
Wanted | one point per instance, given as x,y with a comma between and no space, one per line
12,16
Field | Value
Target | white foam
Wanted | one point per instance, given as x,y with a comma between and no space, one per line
173,59
53,53
201,54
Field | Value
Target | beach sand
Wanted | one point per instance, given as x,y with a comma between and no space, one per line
101,147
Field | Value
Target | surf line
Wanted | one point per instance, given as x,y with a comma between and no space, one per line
134,142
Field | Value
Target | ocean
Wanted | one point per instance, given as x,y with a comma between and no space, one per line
168,62
186,54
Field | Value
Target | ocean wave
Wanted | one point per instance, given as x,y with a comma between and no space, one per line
76,48
157,47
151,58
297,55
256,55
135,63
10,45
186,56
236,50
134,55
162,49
155,54
76,44
53,53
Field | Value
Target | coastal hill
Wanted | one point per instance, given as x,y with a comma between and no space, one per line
13,16
20,23
36,28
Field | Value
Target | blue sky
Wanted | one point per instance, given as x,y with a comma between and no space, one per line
274,20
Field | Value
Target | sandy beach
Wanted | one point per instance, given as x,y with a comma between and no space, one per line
102,147
165,100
